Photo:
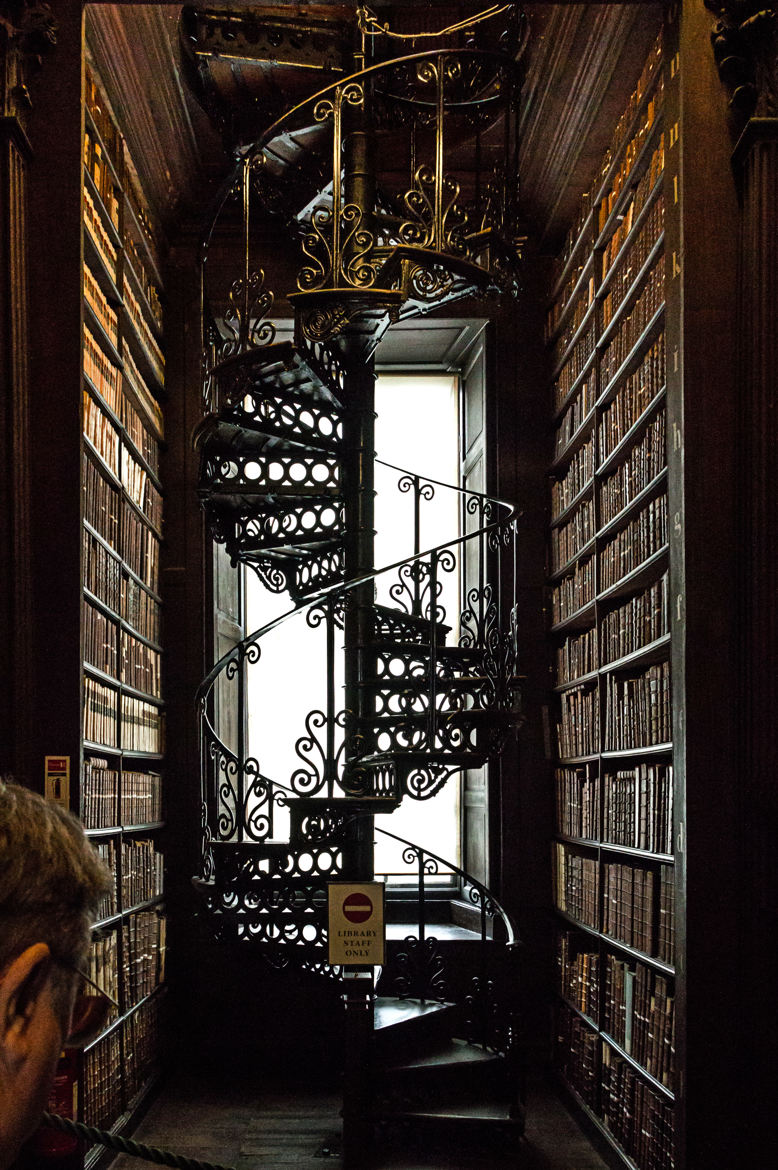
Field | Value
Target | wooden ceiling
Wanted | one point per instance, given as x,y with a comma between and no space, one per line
583,62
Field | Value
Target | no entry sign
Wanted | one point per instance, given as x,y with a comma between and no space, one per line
356,924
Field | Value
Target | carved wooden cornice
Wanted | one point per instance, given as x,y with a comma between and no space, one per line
28,31
745,45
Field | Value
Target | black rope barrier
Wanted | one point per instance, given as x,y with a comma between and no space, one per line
98,1137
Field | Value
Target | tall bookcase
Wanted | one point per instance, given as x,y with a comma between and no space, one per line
614,851
119,797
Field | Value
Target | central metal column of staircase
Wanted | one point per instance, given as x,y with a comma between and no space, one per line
287,484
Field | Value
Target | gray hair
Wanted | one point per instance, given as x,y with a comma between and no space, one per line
51,879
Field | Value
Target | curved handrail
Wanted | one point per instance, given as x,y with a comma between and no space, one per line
488,899
345,586
251,151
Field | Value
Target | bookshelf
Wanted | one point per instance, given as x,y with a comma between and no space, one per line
119,797
613,860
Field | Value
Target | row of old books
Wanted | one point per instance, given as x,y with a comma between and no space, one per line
639,1116
637,807
638,622
102,572
638,907
109,905
140,548
639,1014
143,423
576,1054
575,317
635,394
102,967
577,801
140,609
122,594
110,797
100,306
576,656
142,1041
629,265
141,489
640,135
106,127
578,972
576,884
588,198
575,364
631,212
628,904
100,237
578,730
142,872
101,173
144,332
629,627
106,440
143,727
574,591
143,954
568,540
120,1065
579,409
103,1094
633,324
645,535
108,141
102,373
637,709
102,434
117,653
140,270
629,910
142,724
644,462
580,471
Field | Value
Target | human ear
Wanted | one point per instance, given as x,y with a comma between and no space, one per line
21,987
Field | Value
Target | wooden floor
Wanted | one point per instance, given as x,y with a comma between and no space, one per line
261,1129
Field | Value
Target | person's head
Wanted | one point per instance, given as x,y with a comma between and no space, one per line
51,881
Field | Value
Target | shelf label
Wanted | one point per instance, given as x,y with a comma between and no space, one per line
57,780
356,924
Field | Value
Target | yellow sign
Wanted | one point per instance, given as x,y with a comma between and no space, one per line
57,786
356,924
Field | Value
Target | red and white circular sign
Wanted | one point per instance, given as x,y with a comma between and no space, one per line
357,907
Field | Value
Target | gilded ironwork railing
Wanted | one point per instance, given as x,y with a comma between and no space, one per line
439,231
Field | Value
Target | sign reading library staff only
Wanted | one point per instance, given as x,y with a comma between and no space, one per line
356,924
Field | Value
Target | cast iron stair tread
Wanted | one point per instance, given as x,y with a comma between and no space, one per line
290,553
446,1054
248,491
245,435
401,1013
485,716
419,756
413,620
419,682
472,1112
464,654
279,365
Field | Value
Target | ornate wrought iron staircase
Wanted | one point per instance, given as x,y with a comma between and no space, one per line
287,484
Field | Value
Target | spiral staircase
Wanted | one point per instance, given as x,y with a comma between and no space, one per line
287,485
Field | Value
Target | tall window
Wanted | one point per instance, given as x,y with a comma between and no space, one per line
417,430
